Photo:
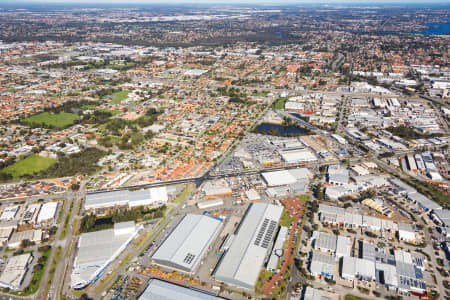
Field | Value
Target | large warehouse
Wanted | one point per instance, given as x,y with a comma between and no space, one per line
240,265
186,245
152,196
162,290
97,249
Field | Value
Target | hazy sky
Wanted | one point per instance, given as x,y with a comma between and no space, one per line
230,1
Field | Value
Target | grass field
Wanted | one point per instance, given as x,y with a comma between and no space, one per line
286,220
29,165
279,104
59,120
304,199
118,97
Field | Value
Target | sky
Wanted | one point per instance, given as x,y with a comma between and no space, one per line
231,1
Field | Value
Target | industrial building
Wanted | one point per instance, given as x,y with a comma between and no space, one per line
379,207
282,183
162,290
31,213
210,203
216,188
338,175
442,217
31,235
354,267
15,271
322,264
9,213
241,263
47,212
187,244
296,156
278,178
343,246
96,250
324,242
406,233
423,202
125,198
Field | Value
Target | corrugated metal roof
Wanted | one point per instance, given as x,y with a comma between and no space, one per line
95,249
241,264
188,242
161,290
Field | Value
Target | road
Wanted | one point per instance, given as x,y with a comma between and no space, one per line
63,268
121,269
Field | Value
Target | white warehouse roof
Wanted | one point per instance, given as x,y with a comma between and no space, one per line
162,290
278,178
47,212
125,197
9,213
15,271
295,156
186,245
240,265
97,249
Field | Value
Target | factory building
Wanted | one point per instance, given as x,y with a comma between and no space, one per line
96,250
162,290
188,243
125,198
251,246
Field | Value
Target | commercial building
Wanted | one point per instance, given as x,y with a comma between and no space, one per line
96,250
423,202
5,234
9,213
322,264
162,290
406,233
442,217
282,183
379,207
216,189
297,156
187,244
125,198
15,271
252,195
241,264
47,212
324,242
338,175
30,235
344,246
210,203
278,178
31,213
359,268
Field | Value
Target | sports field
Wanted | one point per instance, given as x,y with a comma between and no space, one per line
59,120
29,165
118,97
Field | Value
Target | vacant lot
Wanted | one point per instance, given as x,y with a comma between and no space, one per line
118,97
46,119
31,164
